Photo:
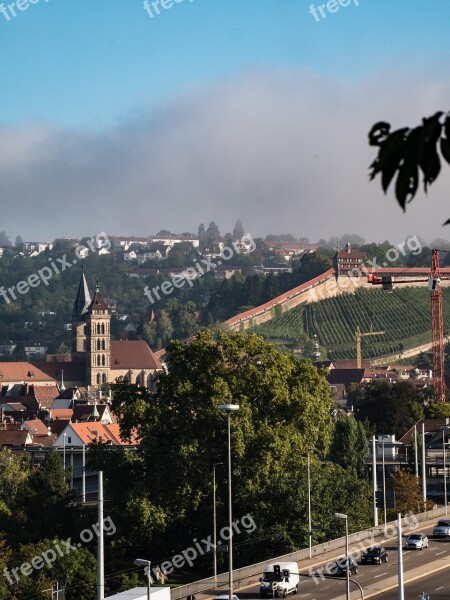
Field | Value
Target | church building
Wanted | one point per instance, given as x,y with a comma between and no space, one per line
95,360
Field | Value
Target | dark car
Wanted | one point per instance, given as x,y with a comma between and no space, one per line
340,567
374,556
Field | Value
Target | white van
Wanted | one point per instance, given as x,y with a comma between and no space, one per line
279,579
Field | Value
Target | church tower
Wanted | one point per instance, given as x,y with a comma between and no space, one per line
79,315
98,338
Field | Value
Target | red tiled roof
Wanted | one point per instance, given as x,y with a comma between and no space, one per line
58,414
346,376
134,354
73,371
44,440
353,255
14,438
431,425
36,426
96,432
22,371
59,425
350,363
45,394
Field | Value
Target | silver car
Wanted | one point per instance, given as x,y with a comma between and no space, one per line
442,528
416,541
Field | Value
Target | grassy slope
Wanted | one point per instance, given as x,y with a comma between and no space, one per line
404,315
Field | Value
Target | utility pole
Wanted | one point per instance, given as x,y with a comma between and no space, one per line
100,546
374,481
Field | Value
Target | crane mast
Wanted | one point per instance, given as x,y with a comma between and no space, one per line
437,328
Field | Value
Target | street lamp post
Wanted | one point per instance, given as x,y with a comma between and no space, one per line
309,508
215,521
384,485
229,408
140,562
445,469
347,570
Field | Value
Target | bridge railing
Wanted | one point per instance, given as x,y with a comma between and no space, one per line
244,574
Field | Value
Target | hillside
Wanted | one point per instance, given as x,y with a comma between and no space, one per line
404,315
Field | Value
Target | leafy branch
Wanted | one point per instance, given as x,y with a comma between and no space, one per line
405,153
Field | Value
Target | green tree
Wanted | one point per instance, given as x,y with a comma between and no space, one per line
284,412
201,236
349,447
389,408
149,333
212,234
408,496
238,230
4,239
46,500
313,265
164,327
19,241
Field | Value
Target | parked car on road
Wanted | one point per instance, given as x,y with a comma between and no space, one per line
225,597
416,541
442,528
340,567
374,556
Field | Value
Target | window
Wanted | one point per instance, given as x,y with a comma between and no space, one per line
98,378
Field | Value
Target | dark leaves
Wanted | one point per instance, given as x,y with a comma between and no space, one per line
407,152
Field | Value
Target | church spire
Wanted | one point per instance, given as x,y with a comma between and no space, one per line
82,301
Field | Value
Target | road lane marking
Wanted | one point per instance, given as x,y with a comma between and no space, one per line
380,575
439,588
443,552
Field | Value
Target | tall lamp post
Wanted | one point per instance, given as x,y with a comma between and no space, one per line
215,521
445,468
309,507
140,562
229,408
347,570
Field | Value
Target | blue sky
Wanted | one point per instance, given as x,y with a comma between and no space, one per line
234,108
92,63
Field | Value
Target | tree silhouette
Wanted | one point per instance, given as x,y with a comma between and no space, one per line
408,152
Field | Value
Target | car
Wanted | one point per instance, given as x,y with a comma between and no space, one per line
416,541
339,567
442,528
374,556
225,597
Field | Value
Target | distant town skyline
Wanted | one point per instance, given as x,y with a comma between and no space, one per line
210,109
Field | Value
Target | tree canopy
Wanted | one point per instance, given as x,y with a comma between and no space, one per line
164,490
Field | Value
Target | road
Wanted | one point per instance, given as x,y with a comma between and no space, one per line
437,585
374,579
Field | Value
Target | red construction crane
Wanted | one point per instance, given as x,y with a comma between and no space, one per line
437,320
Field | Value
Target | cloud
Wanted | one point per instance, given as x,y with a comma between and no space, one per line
283,151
